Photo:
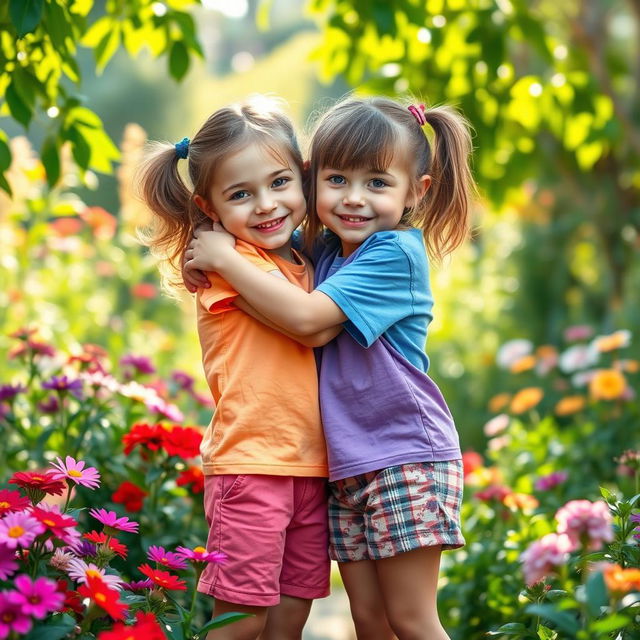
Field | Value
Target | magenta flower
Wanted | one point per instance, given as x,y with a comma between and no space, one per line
11,616
37,597
138,585
12,501
141,364
166,558
578,332
50,405
19,529
8,564
548,482
200,554
60,525
586,522
10,391
183,380
165,409
110,519
543,556
78,569
89,477
63,384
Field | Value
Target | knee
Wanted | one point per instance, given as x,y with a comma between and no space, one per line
369,621
415,627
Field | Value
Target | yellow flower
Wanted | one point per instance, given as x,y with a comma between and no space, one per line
607,384
617,340
526,399
522,501
526,363
499,402
570,405
619,580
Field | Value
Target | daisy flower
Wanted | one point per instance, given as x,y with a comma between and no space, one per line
138,585
102,538
163,579
146,626
200,554
105,597
19,529
11,616
61,526
12,501
60,559
37,597
89,477
8,563
112,523
38,484
80,571
166,558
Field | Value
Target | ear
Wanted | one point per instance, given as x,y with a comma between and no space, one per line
206,208
424,182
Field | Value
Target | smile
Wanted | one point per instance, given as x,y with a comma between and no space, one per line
355,221
271,225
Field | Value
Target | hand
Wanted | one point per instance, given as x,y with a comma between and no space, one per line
194,279
205,252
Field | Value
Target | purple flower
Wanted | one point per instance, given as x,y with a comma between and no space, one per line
138,585
11,616
110,519
84,548
10,391
19,529
585,521
141,364
8,563
62,384
165,409
36,597
183,380
166,558
50,405
548,482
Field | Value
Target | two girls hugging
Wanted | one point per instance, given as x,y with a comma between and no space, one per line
333,254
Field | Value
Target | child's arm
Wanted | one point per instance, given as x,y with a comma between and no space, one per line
289,307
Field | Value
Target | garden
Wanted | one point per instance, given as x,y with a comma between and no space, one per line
103,402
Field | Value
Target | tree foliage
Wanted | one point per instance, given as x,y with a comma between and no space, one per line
40,77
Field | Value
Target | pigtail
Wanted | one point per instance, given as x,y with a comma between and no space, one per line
167,196
443,214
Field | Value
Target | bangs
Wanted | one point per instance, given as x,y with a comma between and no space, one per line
365,138
280,149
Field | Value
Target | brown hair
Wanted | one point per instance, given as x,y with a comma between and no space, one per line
171,200
369,132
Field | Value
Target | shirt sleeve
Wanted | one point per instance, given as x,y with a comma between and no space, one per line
219,297
375,290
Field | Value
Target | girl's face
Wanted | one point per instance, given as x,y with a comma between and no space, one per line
355,203
258,198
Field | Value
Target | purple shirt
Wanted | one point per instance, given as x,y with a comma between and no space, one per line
379,407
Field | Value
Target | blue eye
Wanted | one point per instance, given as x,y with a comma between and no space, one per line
336,179
239,195
280,182
378,183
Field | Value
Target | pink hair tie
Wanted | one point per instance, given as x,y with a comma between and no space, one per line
418,113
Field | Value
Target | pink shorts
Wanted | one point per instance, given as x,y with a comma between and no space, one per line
274,532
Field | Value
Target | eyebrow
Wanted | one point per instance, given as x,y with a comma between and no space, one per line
379,172
243,184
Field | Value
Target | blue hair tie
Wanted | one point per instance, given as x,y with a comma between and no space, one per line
182,148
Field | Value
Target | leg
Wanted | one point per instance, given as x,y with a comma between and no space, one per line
365,600
409,584
245,629
286,620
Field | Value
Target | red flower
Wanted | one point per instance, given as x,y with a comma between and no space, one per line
146,626
471,460
150,436
183,442
144,290
102,223
12,501
106,598
56,522
45,481
114,544
72,599
163,579
493,492
130,495
192,476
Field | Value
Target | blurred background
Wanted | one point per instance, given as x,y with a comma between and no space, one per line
552,91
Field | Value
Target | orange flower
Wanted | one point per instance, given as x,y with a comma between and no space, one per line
101,222
621,581
628,366
617,340
546,352
526,399
526,363
66,226
522,501
570,405
607,384
144,290
499,402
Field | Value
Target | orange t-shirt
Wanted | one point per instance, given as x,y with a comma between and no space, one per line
265,385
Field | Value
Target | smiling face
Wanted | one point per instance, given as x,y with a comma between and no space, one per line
355,203
257,196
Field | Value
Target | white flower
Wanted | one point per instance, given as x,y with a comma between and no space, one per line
512,351
577,357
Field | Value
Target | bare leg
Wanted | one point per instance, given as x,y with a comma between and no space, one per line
286,620
365,599
245,629
409,585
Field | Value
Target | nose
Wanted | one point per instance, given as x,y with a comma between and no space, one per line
265,203
353,198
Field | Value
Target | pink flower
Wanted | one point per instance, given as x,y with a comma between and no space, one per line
37,597
110,519
12,501
79,570
61,526
543,556
200,554
548,482
496,425
89,477
585,521
578,332
166,558
8,563
11,616
19,529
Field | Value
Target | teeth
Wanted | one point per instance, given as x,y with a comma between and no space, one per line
353,219
268,225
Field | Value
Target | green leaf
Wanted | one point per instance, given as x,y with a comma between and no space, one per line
513,629
596,593
178,60
563,620
610,623
19,110
55,628
221,621
79,148
50,156
107,47
25,15
610,497
5,152
4,184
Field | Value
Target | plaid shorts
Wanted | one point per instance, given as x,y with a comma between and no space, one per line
380,514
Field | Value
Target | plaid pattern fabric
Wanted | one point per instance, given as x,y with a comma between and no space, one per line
383,513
